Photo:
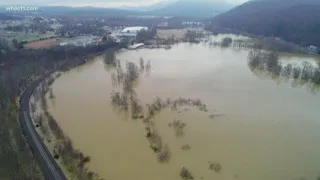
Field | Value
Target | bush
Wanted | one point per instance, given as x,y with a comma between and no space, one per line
185,174
109,58
226,42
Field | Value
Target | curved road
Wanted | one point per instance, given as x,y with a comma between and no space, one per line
47,163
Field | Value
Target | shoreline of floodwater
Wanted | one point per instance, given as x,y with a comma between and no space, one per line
57,140
150,130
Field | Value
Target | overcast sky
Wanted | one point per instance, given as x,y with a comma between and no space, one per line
98,3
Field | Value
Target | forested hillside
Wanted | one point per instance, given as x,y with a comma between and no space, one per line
296,21
193,8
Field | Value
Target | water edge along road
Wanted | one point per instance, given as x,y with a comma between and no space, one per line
47,163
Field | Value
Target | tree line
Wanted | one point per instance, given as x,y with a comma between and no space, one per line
266,61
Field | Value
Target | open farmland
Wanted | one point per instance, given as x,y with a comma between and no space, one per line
28,37
169,33
42,44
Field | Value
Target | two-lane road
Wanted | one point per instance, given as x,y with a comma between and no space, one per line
48,165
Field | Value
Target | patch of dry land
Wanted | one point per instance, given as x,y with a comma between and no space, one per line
42,44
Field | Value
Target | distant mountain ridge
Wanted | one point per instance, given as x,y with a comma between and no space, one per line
193,8
296,21
182,8
151,7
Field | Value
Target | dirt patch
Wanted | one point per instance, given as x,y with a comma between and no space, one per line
47,43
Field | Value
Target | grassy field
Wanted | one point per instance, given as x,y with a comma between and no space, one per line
33,36
22,36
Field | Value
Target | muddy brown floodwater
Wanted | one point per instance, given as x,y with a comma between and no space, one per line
264,131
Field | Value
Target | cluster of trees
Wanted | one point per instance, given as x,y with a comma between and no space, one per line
264,60
193,36
109,58
6,46
269,62
145,35
178,127
185,174
16,28
40,27
73,30
127,100
19,69
226,42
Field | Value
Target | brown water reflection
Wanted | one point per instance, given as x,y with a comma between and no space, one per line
268,131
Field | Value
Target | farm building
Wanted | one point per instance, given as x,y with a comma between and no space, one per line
80,41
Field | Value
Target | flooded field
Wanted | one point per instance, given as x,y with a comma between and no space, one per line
228,124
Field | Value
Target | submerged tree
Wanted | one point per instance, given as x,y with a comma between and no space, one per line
316,77
264,60
303,74
120,101
109,58
307,71
148,66
190,36
255,60
141,64
132,71
296,71
272,62
136,108
51,95
226,42
185,174
286,72
164,155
